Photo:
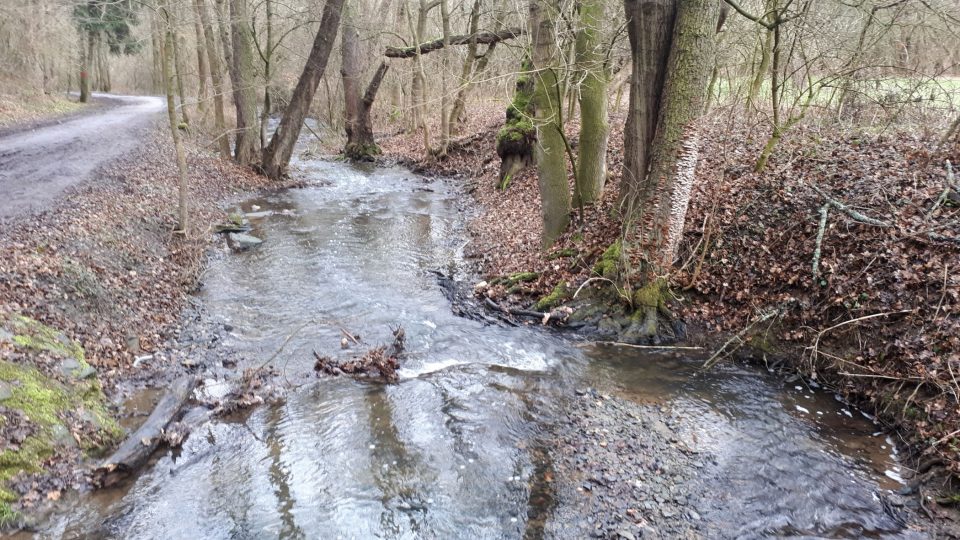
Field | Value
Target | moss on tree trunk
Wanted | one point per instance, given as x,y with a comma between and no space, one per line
549,152
595,128
516,138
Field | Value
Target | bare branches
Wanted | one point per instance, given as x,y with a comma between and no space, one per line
483,38
855,215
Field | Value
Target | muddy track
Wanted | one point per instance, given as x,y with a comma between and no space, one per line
39,163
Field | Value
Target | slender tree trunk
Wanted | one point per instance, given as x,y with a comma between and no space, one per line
222,11
444,90
216,77
594,130
244,93
267,81
547,95
276,156
418,91
350,70
179,75
168,80
156,54
459,103
86,60
202,62
761,74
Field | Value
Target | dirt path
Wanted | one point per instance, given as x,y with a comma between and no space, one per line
38,165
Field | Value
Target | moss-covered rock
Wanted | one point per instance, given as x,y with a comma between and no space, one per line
52,406
361,152
560,293
521,277
609,264
34,336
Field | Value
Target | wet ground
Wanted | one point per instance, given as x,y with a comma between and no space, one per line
492,432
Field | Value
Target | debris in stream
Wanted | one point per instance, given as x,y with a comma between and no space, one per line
255,387
380,362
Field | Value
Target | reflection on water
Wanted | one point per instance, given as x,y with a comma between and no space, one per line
453,450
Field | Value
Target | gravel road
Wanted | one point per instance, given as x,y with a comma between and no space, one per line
38,165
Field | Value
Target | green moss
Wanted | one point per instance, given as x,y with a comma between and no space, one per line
609,264
521,277
45,401
649,296
552,300
8,516
361,152
32,335
563,253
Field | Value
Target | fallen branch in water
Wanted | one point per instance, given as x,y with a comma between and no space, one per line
380,362
722,352
515,311
137,448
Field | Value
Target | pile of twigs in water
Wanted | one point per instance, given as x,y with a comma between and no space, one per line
380,362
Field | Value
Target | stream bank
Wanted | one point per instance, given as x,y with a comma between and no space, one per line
877,320
493,431
102,280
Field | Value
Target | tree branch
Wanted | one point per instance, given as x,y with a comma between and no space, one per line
485,38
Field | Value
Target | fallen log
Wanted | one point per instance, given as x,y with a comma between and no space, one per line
137,448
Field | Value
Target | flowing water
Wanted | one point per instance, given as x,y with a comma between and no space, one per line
453,449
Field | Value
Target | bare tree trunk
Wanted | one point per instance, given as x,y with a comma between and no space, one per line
673,158
244,93
418,91
595,128
86,54
360,144
459,103
649,26
156,54
761,73
441,152
168,79
216,77
267,81
276,156
202,65
179,75
547,106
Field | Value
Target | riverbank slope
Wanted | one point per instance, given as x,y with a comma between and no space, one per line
90,291
870,307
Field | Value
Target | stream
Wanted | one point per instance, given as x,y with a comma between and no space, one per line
458,447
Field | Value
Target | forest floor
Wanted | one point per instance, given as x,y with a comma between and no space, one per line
97,285
879,322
